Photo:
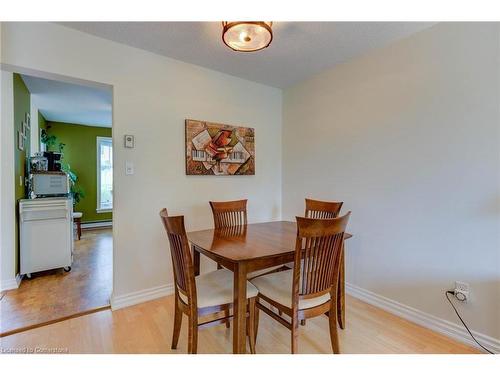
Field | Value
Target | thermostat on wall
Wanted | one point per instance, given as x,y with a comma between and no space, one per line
129,141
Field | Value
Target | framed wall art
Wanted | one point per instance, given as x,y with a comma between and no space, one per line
20,140
219,149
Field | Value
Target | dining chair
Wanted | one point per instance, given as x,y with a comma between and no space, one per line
310,288
323,210
202,295
320,210
231,214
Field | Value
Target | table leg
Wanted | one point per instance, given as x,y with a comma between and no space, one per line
196,261
240,308
341,292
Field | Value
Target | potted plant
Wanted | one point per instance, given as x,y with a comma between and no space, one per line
52,142
76,191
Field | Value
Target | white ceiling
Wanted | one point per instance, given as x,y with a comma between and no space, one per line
71,103
298,50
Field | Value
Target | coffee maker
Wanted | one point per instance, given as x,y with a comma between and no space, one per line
53,160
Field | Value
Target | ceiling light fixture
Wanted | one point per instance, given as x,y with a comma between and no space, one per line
247,36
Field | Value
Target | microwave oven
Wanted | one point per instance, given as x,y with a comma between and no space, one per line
49,184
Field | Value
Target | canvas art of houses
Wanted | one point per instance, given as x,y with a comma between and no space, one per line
219,149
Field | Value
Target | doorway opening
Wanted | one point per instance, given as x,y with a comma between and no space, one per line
63,178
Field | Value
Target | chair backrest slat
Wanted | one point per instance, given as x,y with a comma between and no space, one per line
317,254
181,255
322,210
229,214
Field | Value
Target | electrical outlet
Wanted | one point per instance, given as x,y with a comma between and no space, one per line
461,291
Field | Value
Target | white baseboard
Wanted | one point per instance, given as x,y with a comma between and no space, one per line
424,319
98,224
11,283
129,299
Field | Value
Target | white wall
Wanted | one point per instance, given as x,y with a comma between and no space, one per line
7,204
408,137
152,97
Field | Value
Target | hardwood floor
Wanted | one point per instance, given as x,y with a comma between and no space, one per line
147,328
53,295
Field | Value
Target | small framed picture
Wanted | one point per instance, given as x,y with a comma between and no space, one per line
27,120
25,128
20,141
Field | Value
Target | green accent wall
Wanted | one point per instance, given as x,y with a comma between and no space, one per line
80,152
22,105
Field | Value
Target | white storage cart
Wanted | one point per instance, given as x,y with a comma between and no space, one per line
46,234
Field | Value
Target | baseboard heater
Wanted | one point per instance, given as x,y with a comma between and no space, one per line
97,224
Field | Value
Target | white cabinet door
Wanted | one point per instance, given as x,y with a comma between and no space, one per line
45,244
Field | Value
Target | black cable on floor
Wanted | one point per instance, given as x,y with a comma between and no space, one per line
459,317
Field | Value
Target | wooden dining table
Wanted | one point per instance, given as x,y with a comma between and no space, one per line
247,248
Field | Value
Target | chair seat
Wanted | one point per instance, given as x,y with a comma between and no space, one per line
216,288
77,215
277,286
253,274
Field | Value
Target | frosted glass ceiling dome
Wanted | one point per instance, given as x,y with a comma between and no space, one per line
247,36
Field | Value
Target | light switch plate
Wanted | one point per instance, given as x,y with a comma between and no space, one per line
129,168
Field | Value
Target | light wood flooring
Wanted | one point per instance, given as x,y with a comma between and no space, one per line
57,294
147,328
